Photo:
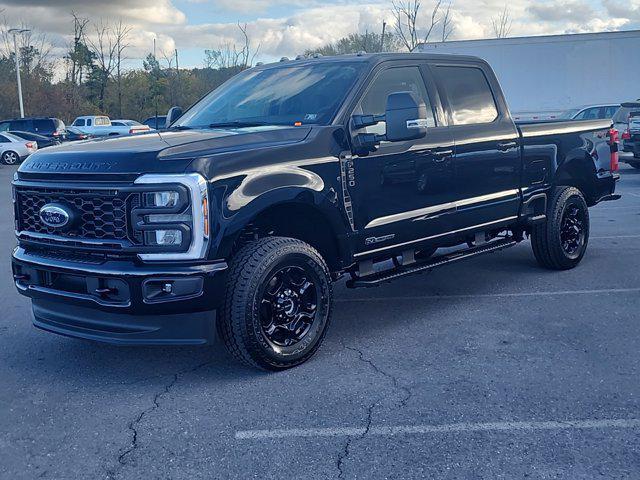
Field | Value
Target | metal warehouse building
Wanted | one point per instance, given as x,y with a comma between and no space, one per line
558,72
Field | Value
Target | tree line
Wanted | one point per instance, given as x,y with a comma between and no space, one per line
93,76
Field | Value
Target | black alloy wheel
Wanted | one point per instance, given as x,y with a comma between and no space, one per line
572,232
289,306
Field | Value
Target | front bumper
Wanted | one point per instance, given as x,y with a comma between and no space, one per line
120,301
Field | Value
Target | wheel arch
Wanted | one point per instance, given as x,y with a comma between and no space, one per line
294,218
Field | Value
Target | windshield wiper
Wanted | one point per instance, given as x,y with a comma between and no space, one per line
181,127
237,124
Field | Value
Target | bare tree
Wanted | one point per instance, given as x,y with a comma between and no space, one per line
447,24
121,33
232,55
502,23
407,23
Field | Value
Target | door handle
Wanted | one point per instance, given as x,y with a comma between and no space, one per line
504,146
442,155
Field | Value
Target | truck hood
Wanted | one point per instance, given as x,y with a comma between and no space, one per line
156,152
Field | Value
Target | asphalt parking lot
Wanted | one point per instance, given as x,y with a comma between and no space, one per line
493,368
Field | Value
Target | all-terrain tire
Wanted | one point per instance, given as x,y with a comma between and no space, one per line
546,238
241,319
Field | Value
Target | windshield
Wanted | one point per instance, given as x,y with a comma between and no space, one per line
277,96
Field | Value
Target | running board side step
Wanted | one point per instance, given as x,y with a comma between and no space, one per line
387,276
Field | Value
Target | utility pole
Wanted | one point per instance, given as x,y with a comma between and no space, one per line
177,79
15,32
155,87
384,27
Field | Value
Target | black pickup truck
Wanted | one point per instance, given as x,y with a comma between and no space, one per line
238,218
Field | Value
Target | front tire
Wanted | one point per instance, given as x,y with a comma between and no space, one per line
277,305
10,158
561,242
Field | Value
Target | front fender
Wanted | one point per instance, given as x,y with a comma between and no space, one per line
241,201
283,182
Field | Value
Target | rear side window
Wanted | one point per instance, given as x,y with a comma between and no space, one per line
88,122
4,139
469,94
43,125
101,121
593,113
610,112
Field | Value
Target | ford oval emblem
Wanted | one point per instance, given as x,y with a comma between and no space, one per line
55,216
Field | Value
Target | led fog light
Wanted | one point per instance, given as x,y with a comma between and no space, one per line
164,237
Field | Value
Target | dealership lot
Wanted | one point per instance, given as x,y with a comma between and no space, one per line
489,369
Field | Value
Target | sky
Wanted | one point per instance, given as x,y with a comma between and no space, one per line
287,28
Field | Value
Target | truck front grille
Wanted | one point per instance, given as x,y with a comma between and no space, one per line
102,214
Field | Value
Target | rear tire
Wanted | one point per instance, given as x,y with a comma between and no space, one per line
561,242
277,305
10,158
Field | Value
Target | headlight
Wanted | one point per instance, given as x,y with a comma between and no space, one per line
174,217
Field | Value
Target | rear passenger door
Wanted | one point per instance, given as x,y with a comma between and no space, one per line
487,165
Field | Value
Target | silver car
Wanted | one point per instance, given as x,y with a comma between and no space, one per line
15,149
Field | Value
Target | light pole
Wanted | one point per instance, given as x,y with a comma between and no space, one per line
15,32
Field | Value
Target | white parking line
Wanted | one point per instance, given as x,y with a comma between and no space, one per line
610,237
435,429
556,293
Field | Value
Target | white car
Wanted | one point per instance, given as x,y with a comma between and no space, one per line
15,149
101,126
128,127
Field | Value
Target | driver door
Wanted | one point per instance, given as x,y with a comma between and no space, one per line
401,190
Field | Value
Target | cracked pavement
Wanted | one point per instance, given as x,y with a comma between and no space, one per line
73,409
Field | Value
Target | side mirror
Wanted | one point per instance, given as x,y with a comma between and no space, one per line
405,118
173,114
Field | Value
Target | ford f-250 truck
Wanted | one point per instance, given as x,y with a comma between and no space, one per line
240,216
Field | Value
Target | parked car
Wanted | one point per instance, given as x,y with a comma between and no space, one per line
591,112
157,123
537,116
41,140
14,149
128,127
47,126
73,134
101,126
240,218
631,136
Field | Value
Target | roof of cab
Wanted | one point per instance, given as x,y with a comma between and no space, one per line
371,58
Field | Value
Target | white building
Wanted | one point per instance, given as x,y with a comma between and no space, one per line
559,72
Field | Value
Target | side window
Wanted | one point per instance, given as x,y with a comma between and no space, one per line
589,114
469,94
43,126
79,122
4,139
88,122
20,125
610,112
4,126
400,79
